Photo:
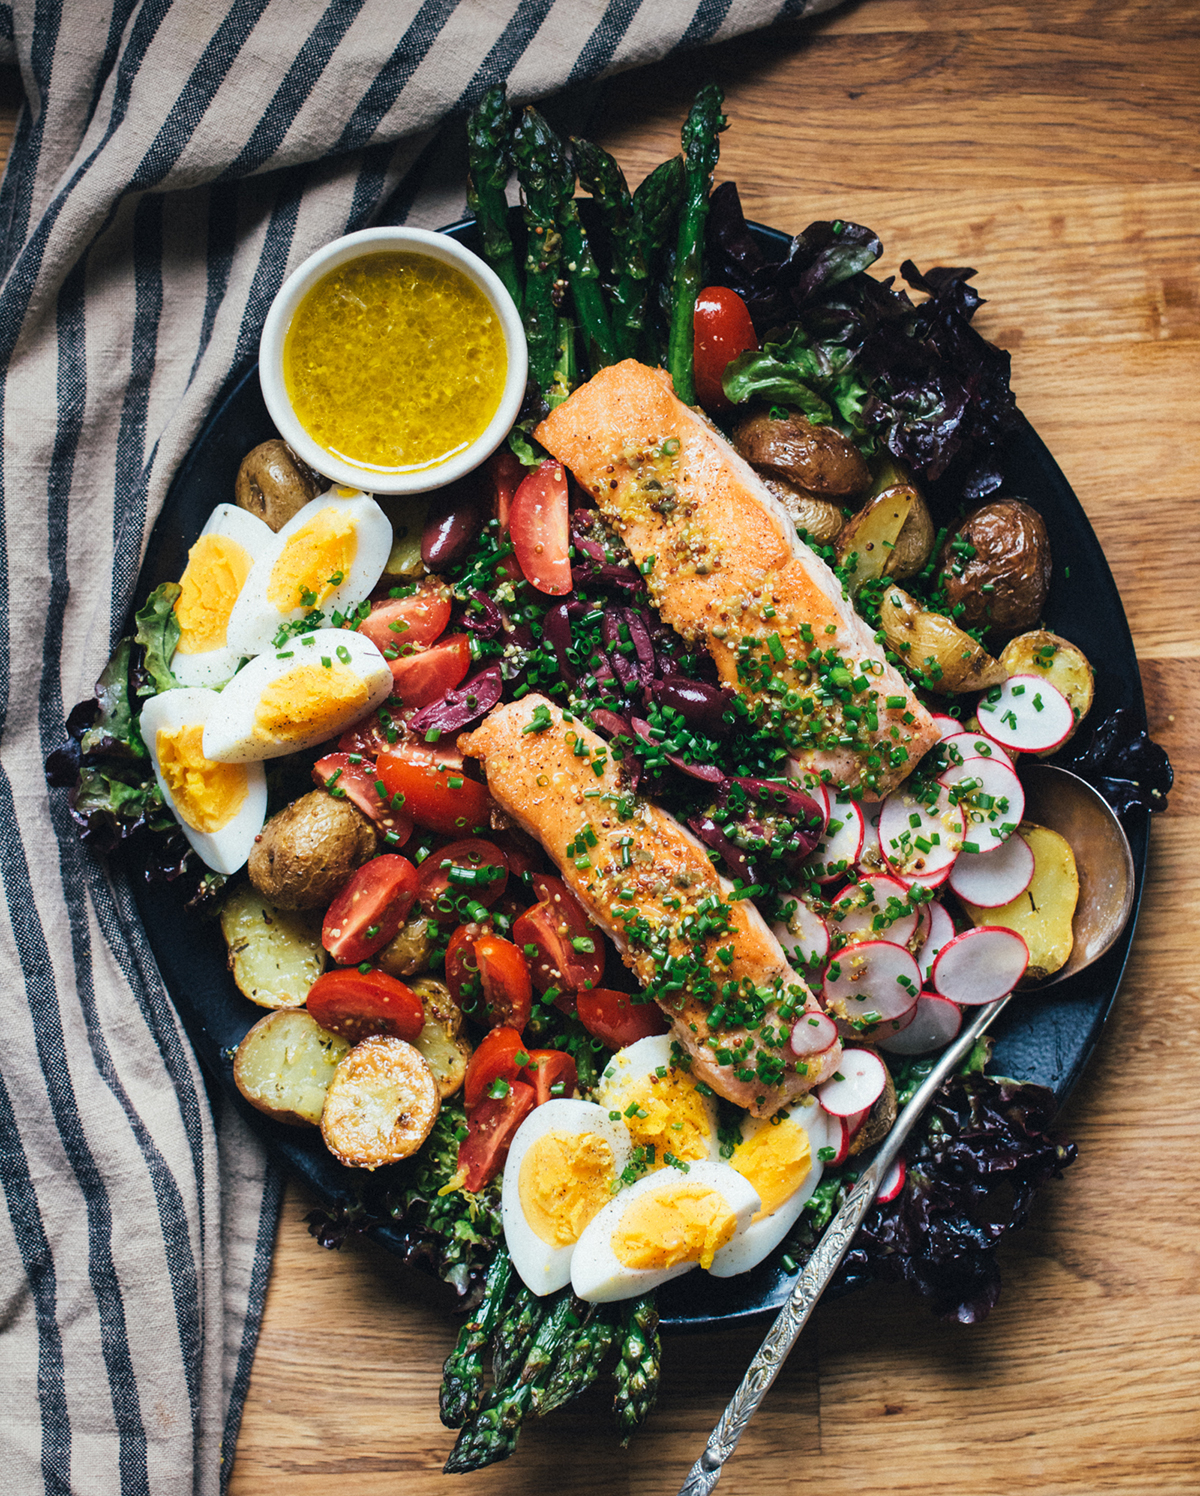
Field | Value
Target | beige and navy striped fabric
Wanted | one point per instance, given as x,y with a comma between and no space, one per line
174,159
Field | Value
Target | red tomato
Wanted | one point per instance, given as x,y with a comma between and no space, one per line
399,623
506,473
540,529
552,1073
567,949
439,797
370,909
369,736
465,871
617,1019
360,784
357,1004
421,679
722,329
491,1127
504,976
493,1060
462,969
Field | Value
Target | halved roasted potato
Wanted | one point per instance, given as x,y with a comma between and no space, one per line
284,1066
409,951
275,955
948,660
381,1104
442,1041
1062,663
1042,916
820,519
815,458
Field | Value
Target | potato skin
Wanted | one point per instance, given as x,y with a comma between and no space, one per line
381,1104
304,854
817,459
949,661
1012,558
879,1121
443,1044
273,483
820,519
409,950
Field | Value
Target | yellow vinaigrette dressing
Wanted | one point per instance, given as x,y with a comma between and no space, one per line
395,362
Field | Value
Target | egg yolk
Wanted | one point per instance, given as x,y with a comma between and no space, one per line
565,1180
775,1160
216,571
307,700
315,561
206,794
662,1228
668,1114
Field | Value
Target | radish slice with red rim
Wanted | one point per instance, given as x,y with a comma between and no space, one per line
877,907
871,981
946,726
936,1020
854,1123
980,965
941,933
839,1136
892,1184
1026,713
991,881
871,854
989,794
804,935
920,838
888,1029
964,745
810,783
857,1084
812,1034
839,849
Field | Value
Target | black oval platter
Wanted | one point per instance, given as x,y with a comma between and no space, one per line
1045,1039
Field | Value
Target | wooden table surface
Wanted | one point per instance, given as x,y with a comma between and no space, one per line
1052,146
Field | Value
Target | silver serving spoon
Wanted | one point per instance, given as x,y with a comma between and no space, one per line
1069,805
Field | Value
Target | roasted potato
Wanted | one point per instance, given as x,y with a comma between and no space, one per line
304,854
1062,663
1043,914
284,1066
997,565
381,1104
819,519
817,459
871,535
275,955
410,949
407,513
441,1041
879,1121
950,661
273,483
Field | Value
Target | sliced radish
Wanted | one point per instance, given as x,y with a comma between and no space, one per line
980,965
924,924
840,1137
892,1184
877,907
839,848
857,1084
888,1029
920,838
996,879
871,981
804,936
813,1033
1026,713
936,1020
990,796
964,745
927,880
871,855
941,932
811,784
854,1123
946,726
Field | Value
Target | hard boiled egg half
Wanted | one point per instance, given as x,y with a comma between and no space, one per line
292,698
217,568
329,555
563,1166
219,806
659,1103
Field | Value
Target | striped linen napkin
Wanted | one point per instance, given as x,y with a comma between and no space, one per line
173,162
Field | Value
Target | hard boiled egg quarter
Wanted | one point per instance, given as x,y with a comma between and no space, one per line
295,697
781,1157
562,1167
329,555
659,1103
665,1224
219,806
217,568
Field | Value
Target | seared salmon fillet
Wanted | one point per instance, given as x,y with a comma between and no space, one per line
725,567
708,960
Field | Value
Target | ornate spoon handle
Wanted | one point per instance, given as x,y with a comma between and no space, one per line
821,1266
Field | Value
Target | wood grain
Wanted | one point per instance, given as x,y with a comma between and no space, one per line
1053,148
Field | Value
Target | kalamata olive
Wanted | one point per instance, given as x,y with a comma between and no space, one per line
702,706
556,628
786,800
453,521
712,836
611,723
482,615
463,705
643,646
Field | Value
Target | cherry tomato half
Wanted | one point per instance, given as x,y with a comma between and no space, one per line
421,679
552,1073
371,907
438,796
617,1019
398,623
359,783
721,329
462,969
539,524
491,1127
563,947
495,1058
506,473
504,977
357,1004
466,871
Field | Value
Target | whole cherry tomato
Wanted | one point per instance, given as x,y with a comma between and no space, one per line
721,329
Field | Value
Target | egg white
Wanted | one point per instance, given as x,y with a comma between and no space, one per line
226,849
256,620
544,1267
636,1061
597,1273
210,666
229,736
750,1246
